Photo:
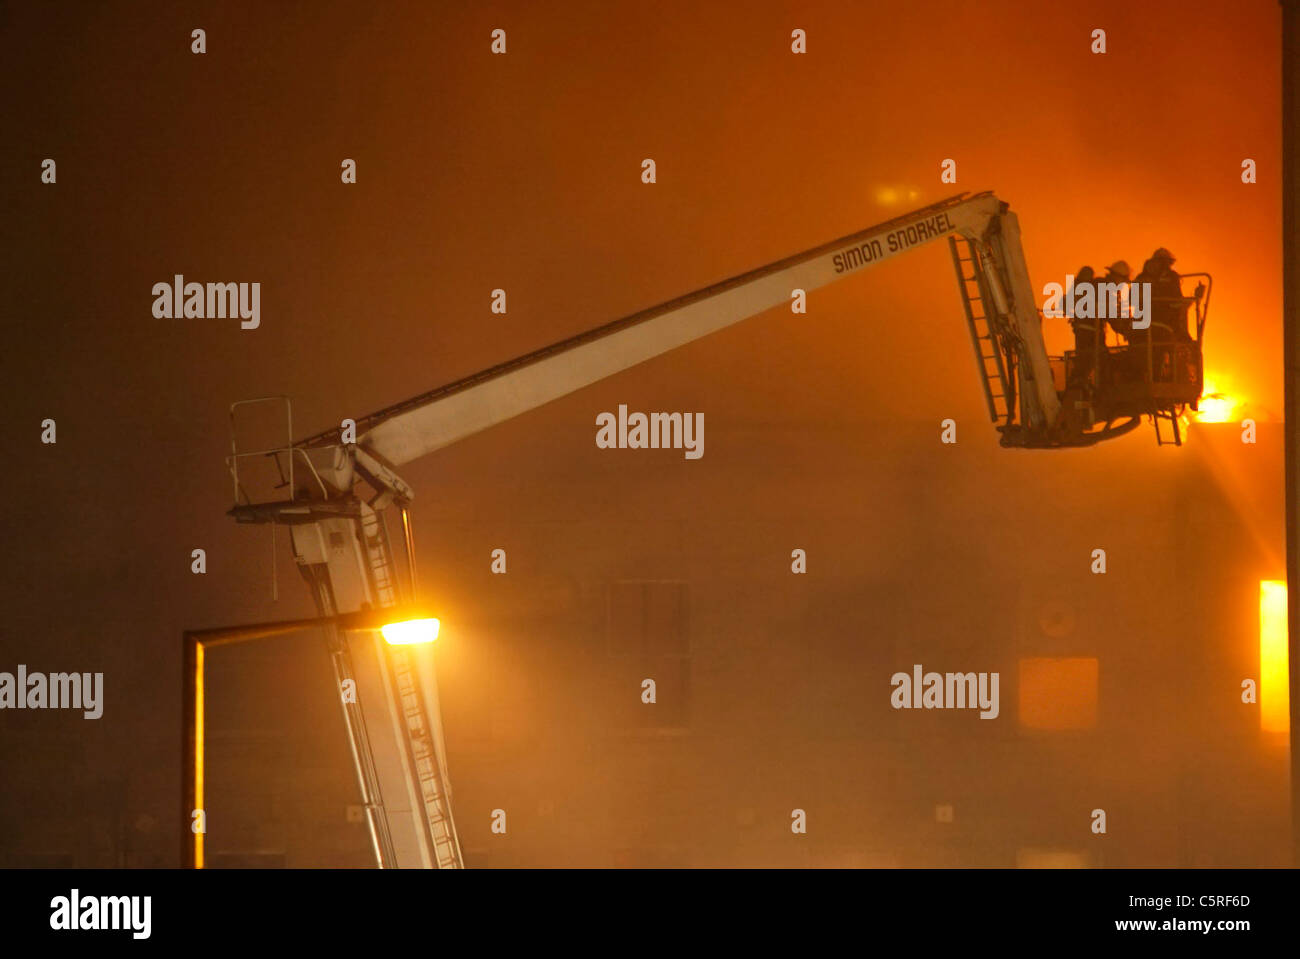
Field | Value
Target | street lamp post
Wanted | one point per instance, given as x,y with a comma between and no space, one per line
402,626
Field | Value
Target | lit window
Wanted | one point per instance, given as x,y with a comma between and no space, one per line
1274,693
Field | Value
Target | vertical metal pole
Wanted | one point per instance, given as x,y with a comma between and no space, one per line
191,751
1291,352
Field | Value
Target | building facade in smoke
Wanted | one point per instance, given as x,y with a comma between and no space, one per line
1120,691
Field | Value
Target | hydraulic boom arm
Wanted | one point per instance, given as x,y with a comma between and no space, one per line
433,420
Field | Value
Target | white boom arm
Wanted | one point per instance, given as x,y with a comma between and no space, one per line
437,419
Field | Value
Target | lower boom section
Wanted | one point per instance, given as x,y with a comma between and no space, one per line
399,688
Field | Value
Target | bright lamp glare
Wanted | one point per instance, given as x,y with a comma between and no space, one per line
410,632
1216,406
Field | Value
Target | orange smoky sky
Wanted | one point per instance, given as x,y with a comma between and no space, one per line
478,172
761,153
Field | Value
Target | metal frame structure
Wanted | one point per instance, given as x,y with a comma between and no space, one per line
195,643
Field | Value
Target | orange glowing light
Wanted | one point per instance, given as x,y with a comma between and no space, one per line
1274,693
198,754
410,632
1216,406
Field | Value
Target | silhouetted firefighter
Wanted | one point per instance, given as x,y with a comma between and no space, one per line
1156,371
1089,330
1168,312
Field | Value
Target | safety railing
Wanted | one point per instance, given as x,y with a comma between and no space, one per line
282,456
1161,366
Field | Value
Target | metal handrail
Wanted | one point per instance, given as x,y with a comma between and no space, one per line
1202,305
234,449
232,461
275,452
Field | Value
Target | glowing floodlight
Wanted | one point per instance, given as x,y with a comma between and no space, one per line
410,632
1216,406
